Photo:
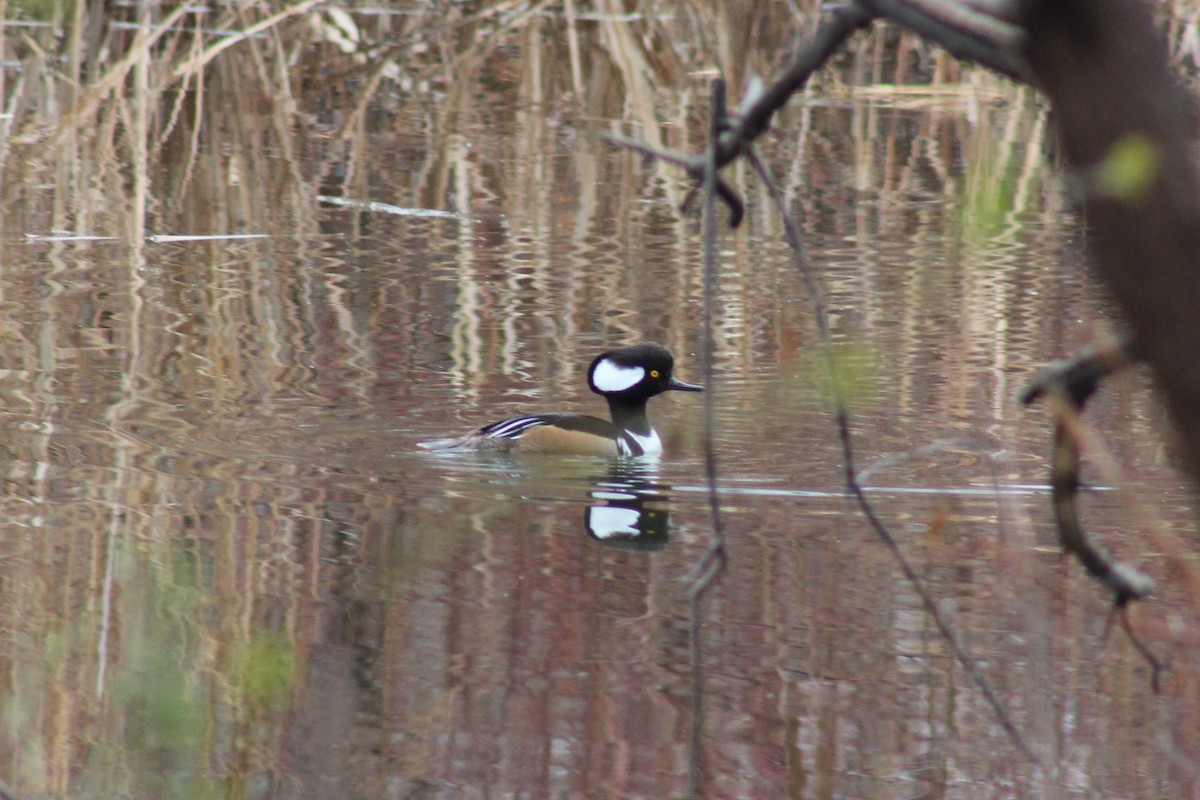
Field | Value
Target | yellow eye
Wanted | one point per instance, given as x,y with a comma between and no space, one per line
653,373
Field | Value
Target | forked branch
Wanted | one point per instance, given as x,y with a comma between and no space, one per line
1068,385
965,31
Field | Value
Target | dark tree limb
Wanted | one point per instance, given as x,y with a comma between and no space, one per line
965,31
1080,376
1124,581
1125,127
979,33
1068,385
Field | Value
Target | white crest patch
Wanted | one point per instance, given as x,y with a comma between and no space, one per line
612,377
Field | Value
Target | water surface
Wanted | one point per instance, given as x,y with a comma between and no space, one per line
229,570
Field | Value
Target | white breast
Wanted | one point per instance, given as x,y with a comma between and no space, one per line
651,444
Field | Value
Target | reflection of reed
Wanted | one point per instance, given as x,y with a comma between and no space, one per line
466,350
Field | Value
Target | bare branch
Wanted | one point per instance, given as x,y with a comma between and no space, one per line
1080,375
971,33
1067,385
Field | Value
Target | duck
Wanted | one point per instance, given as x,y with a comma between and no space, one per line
626,377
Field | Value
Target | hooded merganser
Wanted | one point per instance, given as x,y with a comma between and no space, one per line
626,378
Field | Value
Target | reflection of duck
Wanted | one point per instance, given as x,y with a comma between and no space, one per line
625,523
619,515
626,378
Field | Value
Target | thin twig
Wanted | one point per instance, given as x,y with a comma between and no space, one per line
712,563
669,156
1157,665
844,434
1124,581
735,138
737,209
835,28
716,548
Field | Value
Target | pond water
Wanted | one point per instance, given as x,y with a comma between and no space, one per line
229,571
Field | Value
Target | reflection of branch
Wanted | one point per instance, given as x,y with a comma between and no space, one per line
1067,385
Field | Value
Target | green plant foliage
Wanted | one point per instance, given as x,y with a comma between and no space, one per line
264,668
165,711
1129,170
157,692
37,10
989,209
855,374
